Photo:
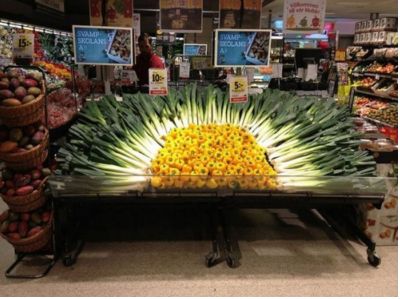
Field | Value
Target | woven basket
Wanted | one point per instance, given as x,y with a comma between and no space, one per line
28,202
28,155
38,160
25,114
33,243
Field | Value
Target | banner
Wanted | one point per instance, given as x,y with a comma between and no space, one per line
118,13
242,48
23,45
230,14
304,16
181,15
103,46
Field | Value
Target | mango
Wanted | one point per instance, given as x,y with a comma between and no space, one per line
5,80
37,138
46,172
8,146
34,75
34,231
35,174
6,94
27,83
36,183
11,103
4,216
4,226
24,141
14,236
29,98
23,228
16,134
12,74
36,217
34,91
23,181
13,226
14,83
25,217
4,85
25,190
20,93
29,130
21,78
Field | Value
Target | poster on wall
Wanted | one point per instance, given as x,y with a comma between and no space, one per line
181,15
118,13
304,16
242,48
103,45
230,14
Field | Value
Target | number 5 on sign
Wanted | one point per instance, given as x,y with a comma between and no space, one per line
238,89
23,45
158,83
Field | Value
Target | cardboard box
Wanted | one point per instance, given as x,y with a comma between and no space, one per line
369,26
364,26
382,39
375,37
358,27
362,39
368,38
357,39
377,24
388,24
387,231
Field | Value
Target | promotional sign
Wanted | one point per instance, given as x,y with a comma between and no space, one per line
23,45
242,48
238,89
181,15
158,83
128,76
195,49
118,13
340,55
201,63
53,7
103,45
184,69
304,16
232,16
342,74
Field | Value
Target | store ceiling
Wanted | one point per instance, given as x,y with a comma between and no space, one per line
344,9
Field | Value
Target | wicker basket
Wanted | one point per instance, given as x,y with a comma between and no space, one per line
28,202
28,155
35,242
38,160
25,114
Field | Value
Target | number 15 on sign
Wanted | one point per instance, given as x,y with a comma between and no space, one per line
238,89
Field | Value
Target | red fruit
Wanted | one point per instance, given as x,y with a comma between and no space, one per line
34,231
23,180
35,174
10,184
10,192
25,217
23,229
36,183
19,150
25,190
40,167
29,130
45,216
13,226
14,236
4,216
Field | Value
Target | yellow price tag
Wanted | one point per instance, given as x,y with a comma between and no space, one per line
239,85
158,77
23,45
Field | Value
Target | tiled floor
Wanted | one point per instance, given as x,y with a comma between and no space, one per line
284,254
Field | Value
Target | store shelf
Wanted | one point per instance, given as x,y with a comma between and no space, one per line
388,76
378,122
372,94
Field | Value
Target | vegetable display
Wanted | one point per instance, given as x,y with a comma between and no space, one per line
124,141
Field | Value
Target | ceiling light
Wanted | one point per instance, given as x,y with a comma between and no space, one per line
351,3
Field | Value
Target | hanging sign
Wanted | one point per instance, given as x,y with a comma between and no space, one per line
184,69
23,45
118,13
231,16
304,16
238,89
158,83
181,15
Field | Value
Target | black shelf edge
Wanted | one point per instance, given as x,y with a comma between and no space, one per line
376,95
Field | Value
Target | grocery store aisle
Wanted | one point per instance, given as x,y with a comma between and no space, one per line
285,253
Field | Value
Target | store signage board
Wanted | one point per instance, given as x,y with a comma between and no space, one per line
201,63
340,55
118,13
250,48
23,45
238,89
195,49
231,15
303,16
158,83
128,76
184,69
103,45
183,16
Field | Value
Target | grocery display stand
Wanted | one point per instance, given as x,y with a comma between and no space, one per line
21,255
217,203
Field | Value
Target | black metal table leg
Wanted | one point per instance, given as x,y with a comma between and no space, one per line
20,257
218,252
233,253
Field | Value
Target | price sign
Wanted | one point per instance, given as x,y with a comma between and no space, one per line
23,45
239,91
184,70
158,83
128,76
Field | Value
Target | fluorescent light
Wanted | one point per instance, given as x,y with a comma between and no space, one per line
276,37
